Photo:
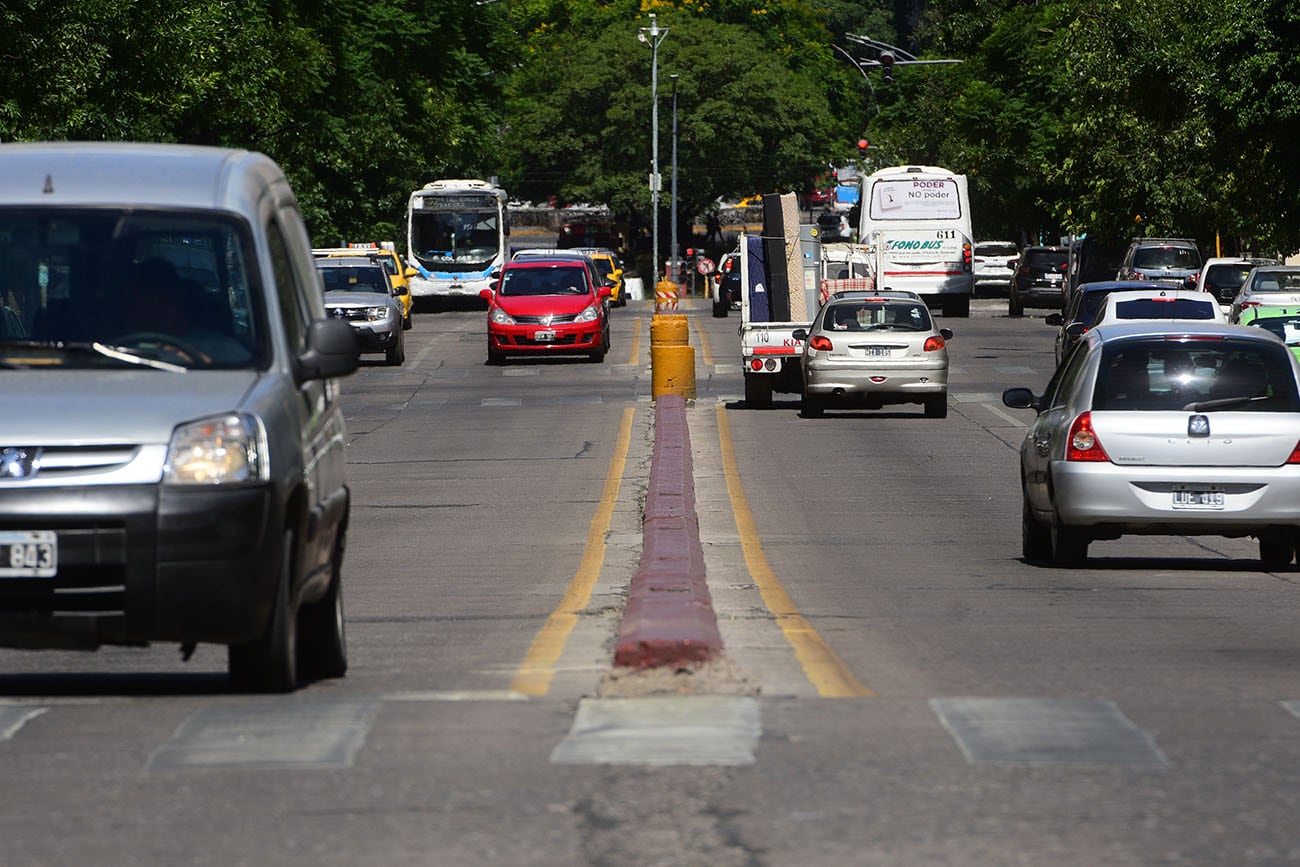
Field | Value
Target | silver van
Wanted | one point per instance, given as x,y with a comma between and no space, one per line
171,442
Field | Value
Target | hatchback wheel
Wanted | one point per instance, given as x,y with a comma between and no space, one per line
1035,536
1069,544
936,406
1276,550
1014,307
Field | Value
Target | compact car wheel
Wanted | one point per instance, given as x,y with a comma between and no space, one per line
936,406
270,664
812,406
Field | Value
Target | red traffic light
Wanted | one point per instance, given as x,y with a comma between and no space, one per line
690,252
863,144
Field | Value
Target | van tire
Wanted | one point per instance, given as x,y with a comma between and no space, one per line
270,663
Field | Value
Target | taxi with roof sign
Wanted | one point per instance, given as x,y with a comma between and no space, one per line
399,273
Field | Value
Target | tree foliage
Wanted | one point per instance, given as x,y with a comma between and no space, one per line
1119,118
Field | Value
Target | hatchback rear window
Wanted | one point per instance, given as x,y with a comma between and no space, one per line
1195,375
1165,308
877,316
1276,281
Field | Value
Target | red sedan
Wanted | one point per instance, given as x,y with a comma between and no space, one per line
547,308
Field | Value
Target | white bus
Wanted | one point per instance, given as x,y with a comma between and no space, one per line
917,221
456,233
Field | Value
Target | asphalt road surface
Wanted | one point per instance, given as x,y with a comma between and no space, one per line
899,687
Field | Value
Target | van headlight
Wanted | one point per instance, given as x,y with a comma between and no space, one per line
222,450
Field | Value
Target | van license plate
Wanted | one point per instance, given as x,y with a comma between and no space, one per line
28,553
1196,499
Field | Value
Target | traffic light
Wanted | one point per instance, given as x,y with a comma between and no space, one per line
863,144
887,66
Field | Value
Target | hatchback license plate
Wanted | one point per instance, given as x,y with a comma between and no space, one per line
543,336
28,553
876,351
1198,499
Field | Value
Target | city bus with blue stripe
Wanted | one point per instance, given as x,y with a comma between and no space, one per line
457,233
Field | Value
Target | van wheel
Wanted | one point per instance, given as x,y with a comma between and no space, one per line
322,637
270,663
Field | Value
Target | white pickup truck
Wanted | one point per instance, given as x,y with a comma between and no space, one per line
770,353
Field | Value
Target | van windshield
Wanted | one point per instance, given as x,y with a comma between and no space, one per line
168,287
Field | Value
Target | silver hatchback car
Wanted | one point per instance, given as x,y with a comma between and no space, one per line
171,444
870,349
1163,428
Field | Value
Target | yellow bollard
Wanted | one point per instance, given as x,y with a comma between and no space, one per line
672,370
669,328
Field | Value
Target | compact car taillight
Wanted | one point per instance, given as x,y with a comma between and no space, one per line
1082,444
934,343
820,342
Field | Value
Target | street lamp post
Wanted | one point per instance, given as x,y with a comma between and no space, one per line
675,266
652,36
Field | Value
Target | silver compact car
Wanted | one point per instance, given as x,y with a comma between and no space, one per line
1163,428
172,459
872,349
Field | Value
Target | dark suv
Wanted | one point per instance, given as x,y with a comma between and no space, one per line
1039,279
1162,259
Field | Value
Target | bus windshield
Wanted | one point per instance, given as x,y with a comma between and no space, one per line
443,237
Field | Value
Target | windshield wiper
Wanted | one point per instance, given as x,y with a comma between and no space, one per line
1223,402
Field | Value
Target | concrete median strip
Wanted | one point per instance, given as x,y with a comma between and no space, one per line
669,619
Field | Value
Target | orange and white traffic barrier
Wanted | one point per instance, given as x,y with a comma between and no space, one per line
665,295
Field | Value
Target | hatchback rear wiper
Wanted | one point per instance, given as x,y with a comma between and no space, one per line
1223,402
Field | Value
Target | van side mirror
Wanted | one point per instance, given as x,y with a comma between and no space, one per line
332,350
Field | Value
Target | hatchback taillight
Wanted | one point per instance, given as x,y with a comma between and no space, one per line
934,343
1082,443
1295,455
820,342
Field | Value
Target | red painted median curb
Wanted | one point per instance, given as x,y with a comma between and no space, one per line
669,619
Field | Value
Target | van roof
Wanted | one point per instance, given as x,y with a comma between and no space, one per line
135,174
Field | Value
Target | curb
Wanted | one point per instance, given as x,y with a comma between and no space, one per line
669,619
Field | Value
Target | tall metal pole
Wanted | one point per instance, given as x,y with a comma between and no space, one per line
652,36
673,248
